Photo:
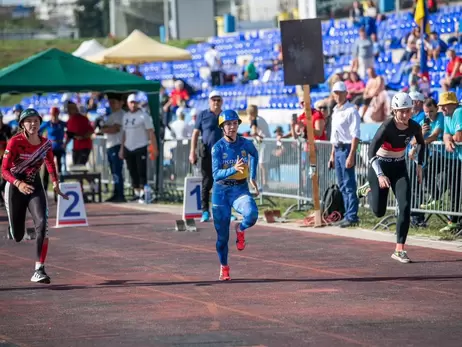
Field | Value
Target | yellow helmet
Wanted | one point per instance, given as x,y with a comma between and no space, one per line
226,116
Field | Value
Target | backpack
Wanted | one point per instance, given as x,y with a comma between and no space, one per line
332,201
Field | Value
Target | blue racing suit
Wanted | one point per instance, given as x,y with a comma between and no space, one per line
231,190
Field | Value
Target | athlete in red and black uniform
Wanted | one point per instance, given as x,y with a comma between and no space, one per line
388,167
22,160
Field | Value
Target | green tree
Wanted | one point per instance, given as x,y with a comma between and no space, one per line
89,18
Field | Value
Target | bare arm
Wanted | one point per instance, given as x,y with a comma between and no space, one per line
319,127
433,136
354,147
111,129
194,138
447,138
152,139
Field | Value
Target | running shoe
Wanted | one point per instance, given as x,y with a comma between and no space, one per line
240,238
205,217
401,256
363,190
40,276
224,273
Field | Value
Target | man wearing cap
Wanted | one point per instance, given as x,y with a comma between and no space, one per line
452,135
345,138
207,126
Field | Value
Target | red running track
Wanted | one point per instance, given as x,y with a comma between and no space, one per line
129,280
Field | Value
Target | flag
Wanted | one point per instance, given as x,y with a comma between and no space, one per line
421,17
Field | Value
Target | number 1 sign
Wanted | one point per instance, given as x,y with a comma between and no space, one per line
192,206
71,212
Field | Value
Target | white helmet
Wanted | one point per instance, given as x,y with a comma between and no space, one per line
401,101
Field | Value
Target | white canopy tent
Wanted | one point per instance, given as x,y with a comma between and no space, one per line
89,48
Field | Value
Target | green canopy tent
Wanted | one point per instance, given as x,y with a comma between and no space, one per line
56,71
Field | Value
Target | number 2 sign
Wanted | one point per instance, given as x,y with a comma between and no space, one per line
192,206
71,212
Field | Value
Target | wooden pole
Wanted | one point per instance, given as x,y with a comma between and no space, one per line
313,171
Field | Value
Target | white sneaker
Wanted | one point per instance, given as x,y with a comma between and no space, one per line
40,276
141,201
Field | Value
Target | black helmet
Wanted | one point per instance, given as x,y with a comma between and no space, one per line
29,112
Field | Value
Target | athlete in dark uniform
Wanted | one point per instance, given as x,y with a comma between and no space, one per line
22,160
388,167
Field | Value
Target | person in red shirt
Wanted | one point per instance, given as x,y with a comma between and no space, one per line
80,130
177,97
319,124
22,160
453,71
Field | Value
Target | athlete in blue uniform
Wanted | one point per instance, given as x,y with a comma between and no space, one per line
230,167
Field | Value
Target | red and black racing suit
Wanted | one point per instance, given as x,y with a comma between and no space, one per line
22,161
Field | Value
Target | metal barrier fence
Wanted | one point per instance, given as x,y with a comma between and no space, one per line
284,172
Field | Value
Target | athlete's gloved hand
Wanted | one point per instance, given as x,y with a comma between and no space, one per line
58,191
25,188
384,182
239,166
254,185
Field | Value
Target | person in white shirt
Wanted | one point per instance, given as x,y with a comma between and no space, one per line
138,132
112,130
345,135
213,59
178,127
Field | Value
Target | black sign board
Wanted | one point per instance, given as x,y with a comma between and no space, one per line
302,52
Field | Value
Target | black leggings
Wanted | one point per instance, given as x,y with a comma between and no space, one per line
17,205
396,171
137,164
